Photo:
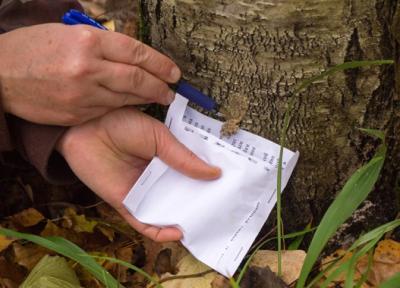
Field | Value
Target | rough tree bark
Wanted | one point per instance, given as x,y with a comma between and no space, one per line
261,49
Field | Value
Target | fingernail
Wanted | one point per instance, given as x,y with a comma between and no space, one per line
175,74
170,97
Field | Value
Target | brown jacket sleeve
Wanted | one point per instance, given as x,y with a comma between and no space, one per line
35,142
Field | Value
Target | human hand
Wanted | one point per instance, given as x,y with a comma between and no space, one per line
109,154
65,75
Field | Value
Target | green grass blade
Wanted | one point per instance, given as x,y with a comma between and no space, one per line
374,133
342,67
322,273
130,266
353,193
392,282
375,233
69,250
372,235
364,276
349,283
297,242
345,266
233,282
304,84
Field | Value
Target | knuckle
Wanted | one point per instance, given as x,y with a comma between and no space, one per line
136,76
136,49
139,51
86,37
78,67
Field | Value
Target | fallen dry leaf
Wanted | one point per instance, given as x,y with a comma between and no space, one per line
220,282
28,217
10,273
386,262
28,255
292,261
188,265
5,242
261,278
106,231
78,223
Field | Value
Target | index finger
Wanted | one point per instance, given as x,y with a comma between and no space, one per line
120,48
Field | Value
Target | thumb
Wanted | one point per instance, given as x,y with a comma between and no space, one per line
179,157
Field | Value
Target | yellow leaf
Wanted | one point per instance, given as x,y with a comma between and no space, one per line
292,261
78,223
386,261
188,265
28,217
110,25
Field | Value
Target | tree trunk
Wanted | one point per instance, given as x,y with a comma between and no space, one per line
261,49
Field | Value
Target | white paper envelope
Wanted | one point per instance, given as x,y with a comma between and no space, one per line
221,218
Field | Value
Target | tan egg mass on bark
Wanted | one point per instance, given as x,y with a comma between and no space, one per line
233,112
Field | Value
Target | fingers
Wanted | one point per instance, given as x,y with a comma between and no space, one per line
152,232
177,156
133,80
117,47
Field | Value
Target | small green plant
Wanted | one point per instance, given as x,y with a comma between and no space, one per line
72,251
303,85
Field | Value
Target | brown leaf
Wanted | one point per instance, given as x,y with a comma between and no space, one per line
220,282
292,262
28,217
52,229
261,278
28,255
163,262
10,273
5,242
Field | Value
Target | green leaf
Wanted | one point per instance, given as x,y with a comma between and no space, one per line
392,282
69,250
375,233
374,133
233,283
297,242
353,193
51,271
364,276
341,67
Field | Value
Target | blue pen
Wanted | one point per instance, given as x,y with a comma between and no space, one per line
74,17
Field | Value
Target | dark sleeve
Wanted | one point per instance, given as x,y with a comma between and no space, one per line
36,143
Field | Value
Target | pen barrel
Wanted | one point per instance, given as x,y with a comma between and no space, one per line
195,96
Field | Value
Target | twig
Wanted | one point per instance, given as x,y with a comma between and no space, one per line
200,274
